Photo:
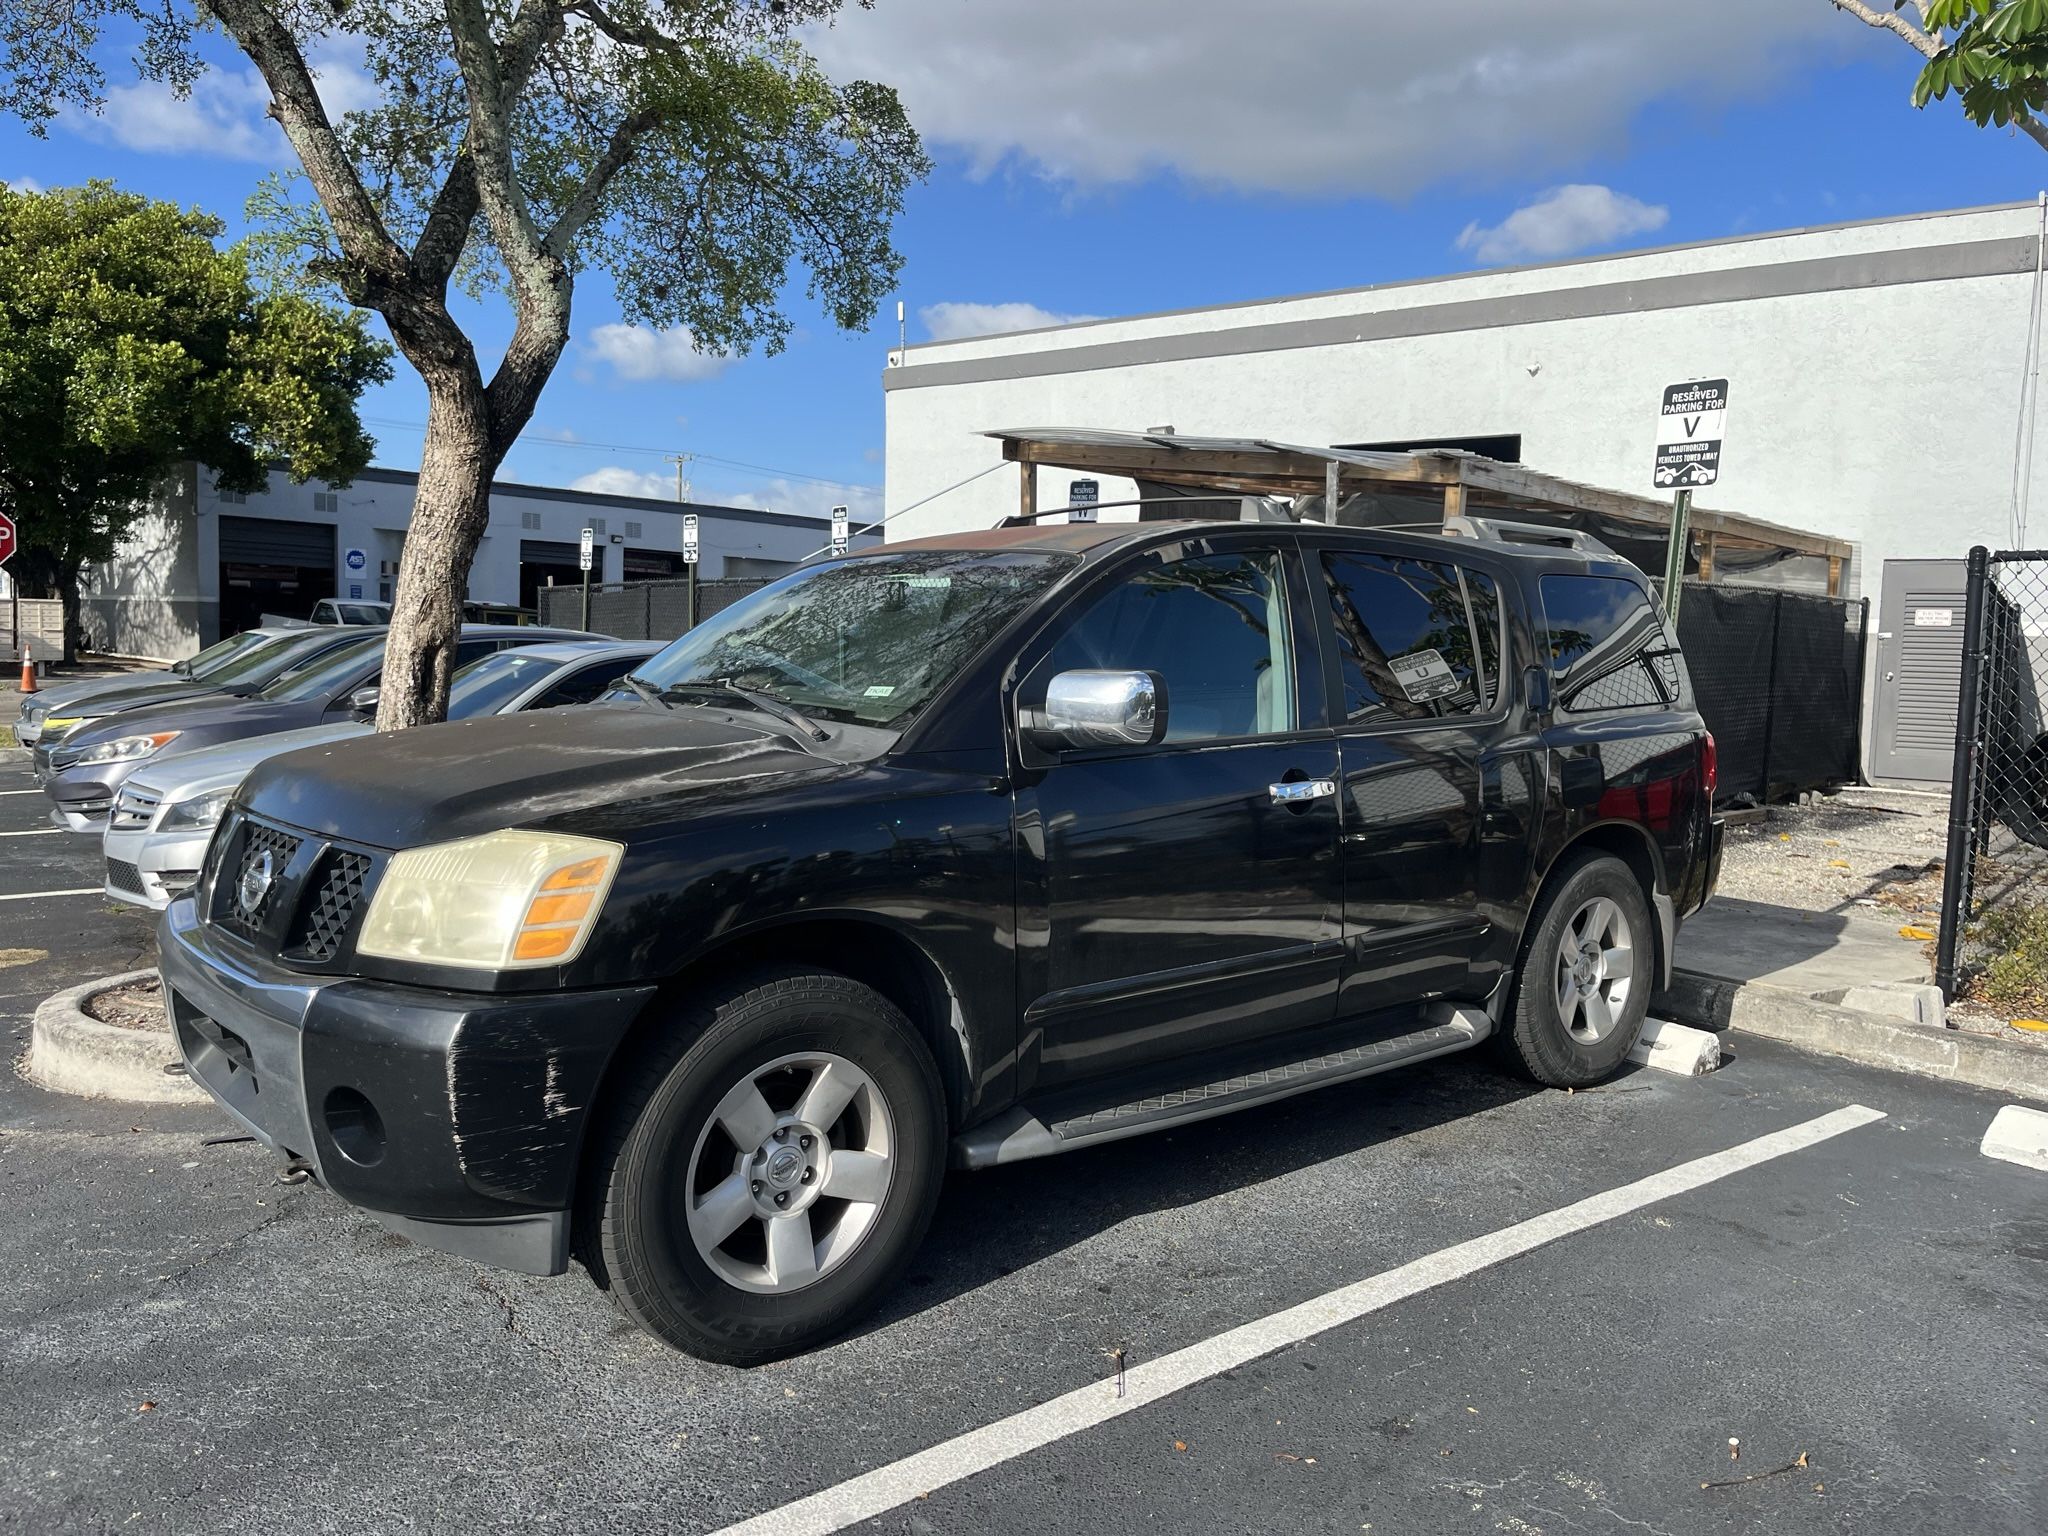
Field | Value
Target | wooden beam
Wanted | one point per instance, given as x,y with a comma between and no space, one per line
1709,543
1027,490
1454,501
1834,575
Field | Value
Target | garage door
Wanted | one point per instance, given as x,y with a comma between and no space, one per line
271,566
1919,669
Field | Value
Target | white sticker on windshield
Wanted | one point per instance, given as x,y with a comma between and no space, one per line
880,690
1423,675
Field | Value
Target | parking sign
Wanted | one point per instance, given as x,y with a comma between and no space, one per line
583,549
689,538
840,532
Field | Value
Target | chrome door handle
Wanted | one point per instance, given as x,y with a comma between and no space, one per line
1295,791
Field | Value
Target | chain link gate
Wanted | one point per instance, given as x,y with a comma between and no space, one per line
1993,943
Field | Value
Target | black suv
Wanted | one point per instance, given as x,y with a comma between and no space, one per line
967,849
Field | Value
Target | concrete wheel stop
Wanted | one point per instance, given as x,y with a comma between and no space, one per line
70,1051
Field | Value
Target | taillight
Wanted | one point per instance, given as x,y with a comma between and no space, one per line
1710,764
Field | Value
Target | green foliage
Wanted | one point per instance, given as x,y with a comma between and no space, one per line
1993,58
129,342
2016,974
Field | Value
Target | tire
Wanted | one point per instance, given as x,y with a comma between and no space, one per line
1572,1039
765,1063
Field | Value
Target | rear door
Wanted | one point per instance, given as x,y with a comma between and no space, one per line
1438,787
1919,669
1183,896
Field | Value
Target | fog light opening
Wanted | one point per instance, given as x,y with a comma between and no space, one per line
355,1126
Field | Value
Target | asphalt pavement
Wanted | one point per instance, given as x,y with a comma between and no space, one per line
1490,1309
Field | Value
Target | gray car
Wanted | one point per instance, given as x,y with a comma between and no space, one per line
83,772
241,662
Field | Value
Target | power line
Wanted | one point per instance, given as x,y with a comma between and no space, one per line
707,458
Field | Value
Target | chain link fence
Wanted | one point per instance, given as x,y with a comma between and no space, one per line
1993,944
641,610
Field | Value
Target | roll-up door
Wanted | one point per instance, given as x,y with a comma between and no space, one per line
269,565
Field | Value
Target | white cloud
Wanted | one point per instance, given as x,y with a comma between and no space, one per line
955,321
224,114
639,354
1562,222
24,184
616,480
1314,96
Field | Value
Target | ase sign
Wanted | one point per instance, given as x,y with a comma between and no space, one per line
1689,429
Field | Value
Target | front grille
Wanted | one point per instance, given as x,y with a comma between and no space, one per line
258,841
135,807
337,892
123,876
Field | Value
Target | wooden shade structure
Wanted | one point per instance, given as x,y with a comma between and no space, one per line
1467,484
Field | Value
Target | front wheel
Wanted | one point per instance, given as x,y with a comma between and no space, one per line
1585,978
768,1182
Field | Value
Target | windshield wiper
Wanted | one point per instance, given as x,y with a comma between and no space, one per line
767,703
640,686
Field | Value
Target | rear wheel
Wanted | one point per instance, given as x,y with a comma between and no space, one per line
1585,978
766,1182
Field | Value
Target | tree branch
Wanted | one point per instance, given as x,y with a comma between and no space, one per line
1892,21
625,139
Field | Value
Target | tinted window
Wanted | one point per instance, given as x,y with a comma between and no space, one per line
1418,639
583,686
324,674
323,613
214,657
260,664
1602,633
484,687
1214,626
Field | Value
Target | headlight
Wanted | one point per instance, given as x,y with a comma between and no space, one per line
126,749
198,813
57,725
501,902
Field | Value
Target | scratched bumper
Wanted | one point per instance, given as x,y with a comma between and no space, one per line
453,1117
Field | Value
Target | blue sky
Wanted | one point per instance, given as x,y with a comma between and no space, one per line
1155,154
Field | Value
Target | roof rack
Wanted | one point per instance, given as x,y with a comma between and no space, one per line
1502,531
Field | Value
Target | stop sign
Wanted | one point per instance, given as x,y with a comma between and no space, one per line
6,537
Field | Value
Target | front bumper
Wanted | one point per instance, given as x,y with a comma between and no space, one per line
80,798
152,868
455,1118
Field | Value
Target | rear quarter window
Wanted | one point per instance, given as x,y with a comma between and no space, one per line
1607,646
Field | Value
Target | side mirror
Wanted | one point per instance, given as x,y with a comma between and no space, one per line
1104,709
363,701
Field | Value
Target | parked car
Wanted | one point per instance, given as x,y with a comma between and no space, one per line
968,849
347,610
82,773
165,814
252,657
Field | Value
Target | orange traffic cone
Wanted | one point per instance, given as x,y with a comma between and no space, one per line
28,668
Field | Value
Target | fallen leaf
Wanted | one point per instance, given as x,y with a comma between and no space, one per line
1180,1445
2038,1026
1285,1456
145,1407
1784,837
1801,1461
1921,935
1838,863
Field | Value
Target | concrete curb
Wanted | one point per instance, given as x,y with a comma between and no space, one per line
1876,1040
71,1052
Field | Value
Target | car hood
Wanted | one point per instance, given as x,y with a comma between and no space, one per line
223,767
399,789
201,721
102,696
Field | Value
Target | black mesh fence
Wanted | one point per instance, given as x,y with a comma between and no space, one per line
641,610
1779,680
1993,946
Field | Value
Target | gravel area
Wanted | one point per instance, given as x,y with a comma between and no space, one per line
138,1007
1862,847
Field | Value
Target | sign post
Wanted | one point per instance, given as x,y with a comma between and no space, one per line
1082,497
1691,422
840,533
583,554
7,547
690,555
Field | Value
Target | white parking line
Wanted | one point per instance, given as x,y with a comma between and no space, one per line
37,832
84,890
876,1492
20,791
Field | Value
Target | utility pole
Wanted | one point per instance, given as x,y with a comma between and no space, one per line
681,462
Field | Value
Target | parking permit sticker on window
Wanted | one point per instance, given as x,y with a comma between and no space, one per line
1423,675
879,690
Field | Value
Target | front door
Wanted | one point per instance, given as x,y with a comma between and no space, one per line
1183,896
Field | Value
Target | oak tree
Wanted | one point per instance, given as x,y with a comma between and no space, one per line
692,150
1992,55
129,341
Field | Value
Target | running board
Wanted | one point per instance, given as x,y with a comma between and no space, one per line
1021,1135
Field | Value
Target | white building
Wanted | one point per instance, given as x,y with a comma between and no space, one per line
1876,390
203,563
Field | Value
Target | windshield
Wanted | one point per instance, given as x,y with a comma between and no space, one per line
491,682
258,664
214,657
867,640
324,673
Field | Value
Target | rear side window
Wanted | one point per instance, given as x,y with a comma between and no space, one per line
1418,639
1606,644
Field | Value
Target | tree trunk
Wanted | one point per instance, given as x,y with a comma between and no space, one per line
449,515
